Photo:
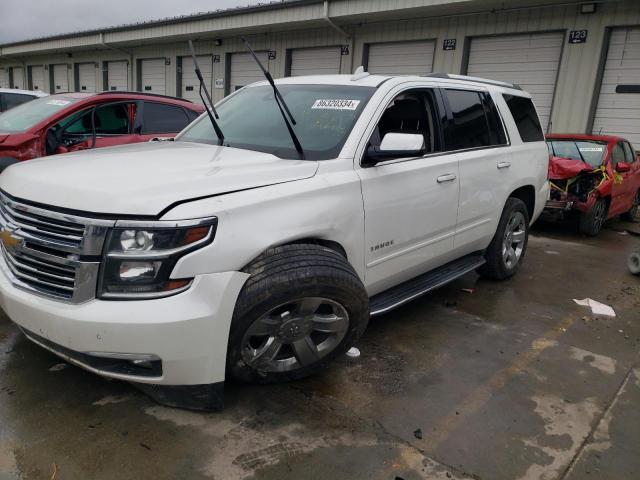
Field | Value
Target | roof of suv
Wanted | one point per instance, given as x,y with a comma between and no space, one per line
35,93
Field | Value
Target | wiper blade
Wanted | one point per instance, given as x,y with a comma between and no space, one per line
282,105
208,103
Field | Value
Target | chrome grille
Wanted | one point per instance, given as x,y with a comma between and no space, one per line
50,253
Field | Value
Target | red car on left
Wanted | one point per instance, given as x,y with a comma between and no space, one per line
77,121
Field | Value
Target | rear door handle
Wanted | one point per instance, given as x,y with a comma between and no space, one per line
504,164
449,177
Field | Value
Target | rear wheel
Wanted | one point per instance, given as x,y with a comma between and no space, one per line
633,215
302,306
507,249
591,222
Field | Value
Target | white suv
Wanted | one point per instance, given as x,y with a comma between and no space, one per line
177,264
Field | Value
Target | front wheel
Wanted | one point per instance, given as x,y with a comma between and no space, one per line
302,307
591,222
506,251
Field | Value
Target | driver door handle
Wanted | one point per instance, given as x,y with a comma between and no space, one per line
504,165
449,177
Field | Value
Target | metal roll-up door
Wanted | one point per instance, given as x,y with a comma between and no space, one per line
315,61
244,70
530,60
37,78
18,78
153,76
118,75
4,78
87,77
60,78
618,107
401,58
189,80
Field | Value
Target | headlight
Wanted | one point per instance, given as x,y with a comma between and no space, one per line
140,257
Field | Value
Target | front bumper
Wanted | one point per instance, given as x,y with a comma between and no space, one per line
188,332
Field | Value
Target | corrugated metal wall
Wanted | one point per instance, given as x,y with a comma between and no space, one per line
577,76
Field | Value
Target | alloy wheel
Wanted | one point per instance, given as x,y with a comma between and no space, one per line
515,234
295,335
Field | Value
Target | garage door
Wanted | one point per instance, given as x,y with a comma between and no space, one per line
60,78
315,61
153,76
529,60
117,75
4,78
401,58
618,108
37,78
18,78
244,70
190,83
87,77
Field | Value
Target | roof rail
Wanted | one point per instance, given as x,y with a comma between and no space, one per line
128,92
451,76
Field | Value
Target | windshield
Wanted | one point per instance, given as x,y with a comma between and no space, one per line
588,151
25,116
250,119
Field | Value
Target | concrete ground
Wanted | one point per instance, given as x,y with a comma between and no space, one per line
509,380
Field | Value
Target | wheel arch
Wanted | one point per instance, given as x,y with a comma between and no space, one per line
526,193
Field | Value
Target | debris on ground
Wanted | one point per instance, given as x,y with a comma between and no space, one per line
467,290
551,252
353,352
597,308
634,263
418,433
58,366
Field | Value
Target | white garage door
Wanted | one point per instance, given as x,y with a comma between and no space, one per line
87,77
118,75
529,60
37,78
401,58
190,83
60,78
18,78
618,109
4,78
153,76
245,70
315,61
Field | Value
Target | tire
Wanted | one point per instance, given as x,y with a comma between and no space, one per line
591,222
500,262
633,215
277,305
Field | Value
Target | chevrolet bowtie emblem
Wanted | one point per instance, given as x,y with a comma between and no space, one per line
8,240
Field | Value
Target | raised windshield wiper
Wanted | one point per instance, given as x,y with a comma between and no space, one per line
282,105
211,110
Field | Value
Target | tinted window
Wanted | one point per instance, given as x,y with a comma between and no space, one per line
159,118
14,99
497,135
617,154
109,120
470,128
526,118
628,153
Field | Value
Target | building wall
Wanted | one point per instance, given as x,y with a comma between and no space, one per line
577,77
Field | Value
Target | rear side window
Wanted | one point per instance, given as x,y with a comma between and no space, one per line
160,118
476,122
526,118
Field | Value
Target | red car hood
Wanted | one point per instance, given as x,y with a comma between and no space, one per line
563,168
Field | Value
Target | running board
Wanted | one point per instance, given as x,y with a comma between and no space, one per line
418,286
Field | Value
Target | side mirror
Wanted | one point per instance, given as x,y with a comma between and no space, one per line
396,145
623,167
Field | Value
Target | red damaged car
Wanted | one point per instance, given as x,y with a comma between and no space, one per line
596,177
68,122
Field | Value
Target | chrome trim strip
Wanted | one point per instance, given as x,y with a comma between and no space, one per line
193,222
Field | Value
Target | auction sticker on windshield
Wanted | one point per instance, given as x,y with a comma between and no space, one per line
326,104
591,149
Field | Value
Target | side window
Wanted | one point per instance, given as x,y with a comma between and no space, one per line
14,99
526,118
160,118
497,135
617,154
628,153
470,127
412,112
109,120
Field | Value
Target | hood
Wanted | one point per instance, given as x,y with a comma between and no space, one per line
562,168
144,179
